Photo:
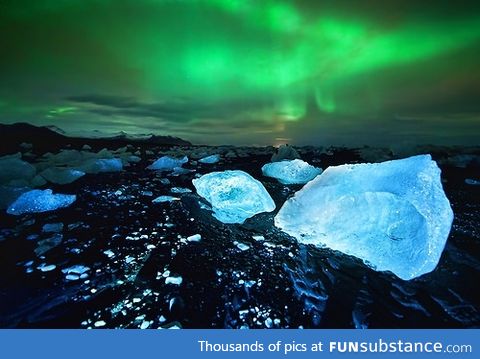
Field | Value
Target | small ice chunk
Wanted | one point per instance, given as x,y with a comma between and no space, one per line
162,199
285,152
99,323
26,146
174,280
210,159
52,227
61,175
12,168
102,165
179,171
234,195
72,277
40,201
393,215
38,181
145,324
167,163
472,182
194,238
291,172
45,245
77,269
180,190
109,253
133,159
242,246
46,268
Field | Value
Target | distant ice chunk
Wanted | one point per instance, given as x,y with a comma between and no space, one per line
234,195
180,190
61,175
145,324
40,201
76,272
162,199
285,152
393,215
242,246
167,163
174,280
194,238
44,245
12,168
291,172
26,146
102,165
46,267
52,227
179,171
462,160
109,253
99,323
76,269
38,181
210,159
133,159
66,157
472,182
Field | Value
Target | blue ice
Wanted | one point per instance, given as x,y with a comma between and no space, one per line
393,215
291,172
40,201
167,163
234,195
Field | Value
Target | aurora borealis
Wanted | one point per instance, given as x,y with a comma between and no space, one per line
244,71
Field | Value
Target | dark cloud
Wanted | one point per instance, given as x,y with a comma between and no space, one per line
183,110
108,105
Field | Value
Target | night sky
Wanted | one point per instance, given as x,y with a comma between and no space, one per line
372,72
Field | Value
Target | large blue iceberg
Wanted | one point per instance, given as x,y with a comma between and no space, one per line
393,215
40,201
291,172
234,195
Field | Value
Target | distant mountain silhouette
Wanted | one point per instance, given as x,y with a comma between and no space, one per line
51,138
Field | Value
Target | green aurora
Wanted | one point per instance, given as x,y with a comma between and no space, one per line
246,72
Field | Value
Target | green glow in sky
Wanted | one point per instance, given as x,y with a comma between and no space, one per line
165,65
